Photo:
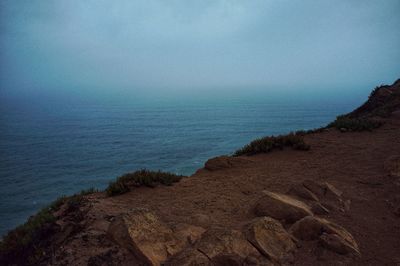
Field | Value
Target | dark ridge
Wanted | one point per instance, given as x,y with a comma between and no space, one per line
382,101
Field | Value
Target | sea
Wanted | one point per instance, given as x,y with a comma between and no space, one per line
52,148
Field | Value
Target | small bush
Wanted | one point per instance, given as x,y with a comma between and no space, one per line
140,178
267,144
25,244
354,124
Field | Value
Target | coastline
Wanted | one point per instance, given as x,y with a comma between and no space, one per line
226,190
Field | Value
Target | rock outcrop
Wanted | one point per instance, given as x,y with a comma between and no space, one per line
281,207
218,246
141,232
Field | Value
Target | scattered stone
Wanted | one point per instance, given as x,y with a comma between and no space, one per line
281,207
271,239
142,233
302,192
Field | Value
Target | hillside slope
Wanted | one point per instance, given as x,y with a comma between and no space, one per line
337,203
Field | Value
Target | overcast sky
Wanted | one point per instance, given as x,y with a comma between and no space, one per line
159,45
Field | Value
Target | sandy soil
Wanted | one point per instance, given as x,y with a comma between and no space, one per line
359,164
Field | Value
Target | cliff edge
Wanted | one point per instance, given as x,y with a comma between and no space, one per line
329,196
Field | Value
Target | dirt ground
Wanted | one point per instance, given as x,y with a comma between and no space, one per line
364,165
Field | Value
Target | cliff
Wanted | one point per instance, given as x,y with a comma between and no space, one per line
328,196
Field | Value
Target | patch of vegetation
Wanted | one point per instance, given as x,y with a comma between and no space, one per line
26,243
267,144
345,123
141,178
309,131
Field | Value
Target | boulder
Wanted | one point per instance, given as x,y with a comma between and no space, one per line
311,228
328,194
221,241
143,234
219,246
302,192
337,244
271,239
308,228
281,207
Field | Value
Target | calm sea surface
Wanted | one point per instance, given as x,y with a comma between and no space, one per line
52,150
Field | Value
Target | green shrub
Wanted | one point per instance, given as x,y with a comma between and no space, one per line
140,178
354,124
267,144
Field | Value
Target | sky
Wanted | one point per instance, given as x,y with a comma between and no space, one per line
157,46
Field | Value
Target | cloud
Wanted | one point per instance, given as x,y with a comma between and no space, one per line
131,46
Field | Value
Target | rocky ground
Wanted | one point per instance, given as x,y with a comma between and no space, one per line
335,204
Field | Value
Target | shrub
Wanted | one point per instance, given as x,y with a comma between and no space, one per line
267,144
354,124
25,244
140,178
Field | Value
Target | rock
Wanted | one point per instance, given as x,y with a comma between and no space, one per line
188,257
189,233
310,228
302,192
329,195
281,207
337,244
271,239
142,233
333,195
314,187
221,241
223,162
219,246
318,208
330,190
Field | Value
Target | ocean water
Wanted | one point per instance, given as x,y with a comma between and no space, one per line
48,150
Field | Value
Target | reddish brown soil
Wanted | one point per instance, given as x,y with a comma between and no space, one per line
356,163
